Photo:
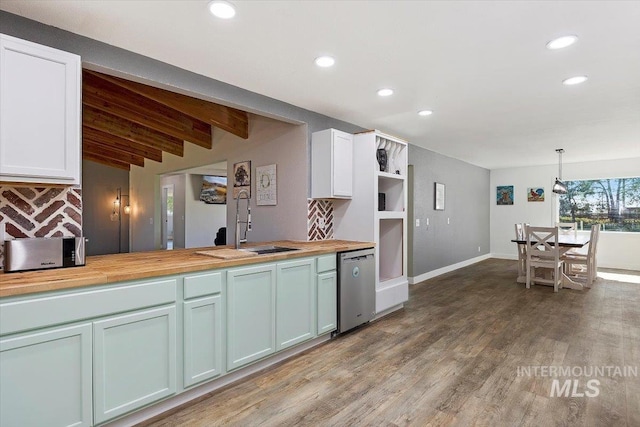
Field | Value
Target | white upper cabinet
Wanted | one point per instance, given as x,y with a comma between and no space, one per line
331,164
40,113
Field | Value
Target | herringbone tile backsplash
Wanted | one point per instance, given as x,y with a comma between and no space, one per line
319,209
40,212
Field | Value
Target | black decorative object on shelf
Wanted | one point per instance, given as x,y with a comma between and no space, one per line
382,202
381,155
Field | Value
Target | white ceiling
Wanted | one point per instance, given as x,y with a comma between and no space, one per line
481,66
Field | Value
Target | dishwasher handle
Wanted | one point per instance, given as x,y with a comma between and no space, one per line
358,258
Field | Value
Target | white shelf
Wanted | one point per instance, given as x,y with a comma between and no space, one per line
386,282
391,215
390,175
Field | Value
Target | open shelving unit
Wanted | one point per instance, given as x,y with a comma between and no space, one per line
361,218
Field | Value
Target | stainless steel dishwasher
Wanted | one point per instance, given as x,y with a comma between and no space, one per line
356,288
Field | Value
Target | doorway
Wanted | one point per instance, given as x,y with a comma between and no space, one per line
166,213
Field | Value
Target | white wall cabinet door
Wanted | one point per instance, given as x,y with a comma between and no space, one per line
331,164
134,361
40,113
45,378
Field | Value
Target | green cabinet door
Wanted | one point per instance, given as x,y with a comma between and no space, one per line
202,339
134,361
45,378
295,302
251,302
327,302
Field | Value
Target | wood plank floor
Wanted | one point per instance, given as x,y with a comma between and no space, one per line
451,357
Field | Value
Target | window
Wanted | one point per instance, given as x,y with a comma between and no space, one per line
614,203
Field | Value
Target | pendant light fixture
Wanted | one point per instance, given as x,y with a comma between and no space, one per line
559,187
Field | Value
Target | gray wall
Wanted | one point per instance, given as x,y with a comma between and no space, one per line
99,184
466,206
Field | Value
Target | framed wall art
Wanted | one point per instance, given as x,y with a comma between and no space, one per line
266,189
504,195
241,177
535,194
439,197
214,190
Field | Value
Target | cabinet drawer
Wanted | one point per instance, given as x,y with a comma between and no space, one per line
326,263
56,309
202,284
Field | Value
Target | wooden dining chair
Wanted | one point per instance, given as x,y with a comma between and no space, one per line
522,248
584,267
542,252
567,225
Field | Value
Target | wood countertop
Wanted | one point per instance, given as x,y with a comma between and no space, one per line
104,269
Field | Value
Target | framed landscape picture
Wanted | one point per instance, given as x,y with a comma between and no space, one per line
214,190
535,194
504,195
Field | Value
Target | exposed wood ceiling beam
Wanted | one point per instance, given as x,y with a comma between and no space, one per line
226,118
106,161
102,94
93,147
121,144
114,125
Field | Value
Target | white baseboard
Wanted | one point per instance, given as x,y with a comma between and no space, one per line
447,269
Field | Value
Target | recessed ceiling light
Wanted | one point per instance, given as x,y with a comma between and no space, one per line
562,42
325,61
222,9
425,112
385,92
574,80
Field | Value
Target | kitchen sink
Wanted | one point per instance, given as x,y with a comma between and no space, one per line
260,250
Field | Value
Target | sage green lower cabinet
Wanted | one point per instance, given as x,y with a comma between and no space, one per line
134,361
327,302
202,339
251,303
295,302
45,378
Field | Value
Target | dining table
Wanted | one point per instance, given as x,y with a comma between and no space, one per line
566,241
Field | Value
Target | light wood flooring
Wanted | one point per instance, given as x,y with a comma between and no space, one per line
451,357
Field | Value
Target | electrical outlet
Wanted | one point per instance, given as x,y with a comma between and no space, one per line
418,222
478,248
321,223
427,222
151,220
448,222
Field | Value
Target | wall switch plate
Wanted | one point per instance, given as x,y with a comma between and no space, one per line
418,222
478,248
448,222
427,221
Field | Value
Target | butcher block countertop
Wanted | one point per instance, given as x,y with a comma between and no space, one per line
106,269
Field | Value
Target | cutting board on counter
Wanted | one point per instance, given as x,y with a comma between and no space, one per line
227,253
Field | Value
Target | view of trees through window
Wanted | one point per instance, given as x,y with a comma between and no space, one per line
613,203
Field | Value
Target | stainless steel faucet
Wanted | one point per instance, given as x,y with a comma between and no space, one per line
238,222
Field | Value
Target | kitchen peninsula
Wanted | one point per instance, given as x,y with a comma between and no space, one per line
88,345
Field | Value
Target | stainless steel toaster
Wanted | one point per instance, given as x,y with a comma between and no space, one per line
40,253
